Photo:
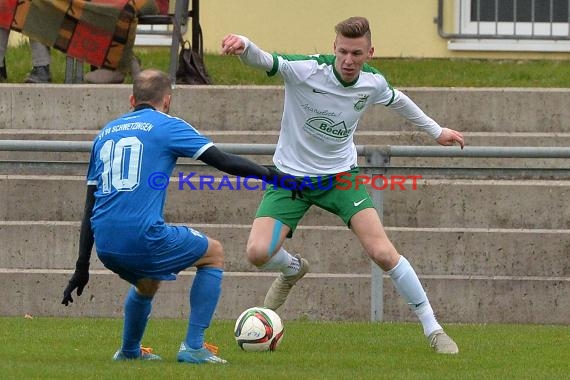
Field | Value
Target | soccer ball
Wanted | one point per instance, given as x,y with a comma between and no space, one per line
258,329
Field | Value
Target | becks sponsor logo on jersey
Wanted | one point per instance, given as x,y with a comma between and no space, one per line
340,181
328,127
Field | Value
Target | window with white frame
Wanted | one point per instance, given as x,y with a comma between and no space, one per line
153,35
517,25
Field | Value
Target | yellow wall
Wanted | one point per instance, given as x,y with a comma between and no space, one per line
402,28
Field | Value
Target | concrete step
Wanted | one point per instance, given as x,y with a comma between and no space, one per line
435,203
88,107
465,299
432,251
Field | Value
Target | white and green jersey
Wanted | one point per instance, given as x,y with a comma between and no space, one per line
321,111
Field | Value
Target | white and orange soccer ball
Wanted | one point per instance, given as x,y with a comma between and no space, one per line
258,329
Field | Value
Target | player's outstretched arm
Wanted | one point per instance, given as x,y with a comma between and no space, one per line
248,52
450,137
233,44
80,277
240,166
406,108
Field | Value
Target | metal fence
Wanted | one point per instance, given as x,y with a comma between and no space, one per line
377,162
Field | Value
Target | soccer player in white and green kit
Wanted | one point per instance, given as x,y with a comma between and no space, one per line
325,97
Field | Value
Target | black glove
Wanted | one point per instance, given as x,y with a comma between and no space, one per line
288,182
78,281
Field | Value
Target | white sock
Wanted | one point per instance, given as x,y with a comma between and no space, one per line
428,320
408,284
282,261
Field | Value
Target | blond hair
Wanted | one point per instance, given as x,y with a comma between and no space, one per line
354,27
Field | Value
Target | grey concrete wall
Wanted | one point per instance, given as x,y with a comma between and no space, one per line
485,250
250,108
451,252
435,203
316,297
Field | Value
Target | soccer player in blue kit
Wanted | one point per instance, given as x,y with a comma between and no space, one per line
325,97
123,216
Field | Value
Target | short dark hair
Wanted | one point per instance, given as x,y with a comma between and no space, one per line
354,27
150,86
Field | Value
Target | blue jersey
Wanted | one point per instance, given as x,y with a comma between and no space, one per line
128,212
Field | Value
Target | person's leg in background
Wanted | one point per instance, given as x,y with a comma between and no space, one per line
4,34
107,76
41,59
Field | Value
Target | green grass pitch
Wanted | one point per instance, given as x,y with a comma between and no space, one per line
81,348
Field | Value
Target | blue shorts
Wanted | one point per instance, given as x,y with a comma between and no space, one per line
174,249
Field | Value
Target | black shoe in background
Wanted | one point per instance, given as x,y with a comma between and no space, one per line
39,74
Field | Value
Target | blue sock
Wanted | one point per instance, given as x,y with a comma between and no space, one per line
137,311
204,296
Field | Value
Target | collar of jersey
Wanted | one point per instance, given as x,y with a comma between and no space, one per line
339,78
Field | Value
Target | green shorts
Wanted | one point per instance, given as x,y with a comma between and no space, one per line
336,193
